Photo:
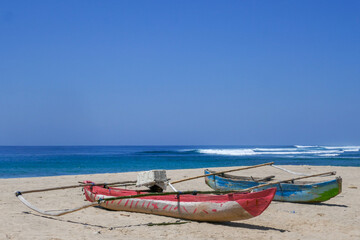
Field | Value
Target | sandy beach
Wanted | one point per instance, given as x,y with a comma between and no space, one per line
338,218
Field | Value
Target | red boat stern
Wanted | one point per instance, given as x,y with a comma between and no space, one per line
256,203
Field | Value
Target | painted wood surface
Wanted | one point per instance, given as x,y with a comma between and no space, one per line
286,192
200,207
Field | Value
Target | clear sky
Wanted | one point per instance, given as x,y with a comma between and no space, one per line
179,72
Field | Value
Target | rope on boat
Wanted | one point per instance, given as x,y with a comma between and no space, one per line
296,173
289,171
173,188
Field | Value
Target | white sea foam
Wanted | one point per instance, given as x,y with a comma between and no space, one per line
301,146
264,151
352,150
230,152
314,152
344,148
329,155
274,149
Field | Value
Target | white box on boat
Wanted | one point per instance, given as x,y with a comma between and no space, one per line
151,178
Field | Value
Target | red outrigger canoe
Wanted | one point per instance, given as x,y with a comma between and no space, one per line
199,207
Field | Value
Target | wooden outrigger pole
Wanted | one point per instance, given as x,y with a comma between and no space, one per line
130,182
73,186
226,171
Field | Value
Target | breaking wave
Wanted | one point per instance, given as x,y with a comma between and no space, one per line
285,151
229,152
298,150
160,152
346,148
329,155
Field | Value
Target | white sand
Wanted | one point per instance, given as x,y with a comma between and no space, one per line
338,218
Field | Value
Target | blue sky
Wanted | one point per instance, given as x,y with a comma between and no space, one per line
179,72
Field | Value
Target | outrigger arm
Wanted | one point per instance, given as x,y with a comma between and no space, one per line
51,213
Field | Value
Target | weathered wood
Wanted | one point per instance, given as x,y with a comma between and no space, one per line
226,171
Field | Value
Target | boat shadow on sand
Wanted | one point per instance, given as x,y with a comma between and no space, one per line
150,224
323,204
250,226
177,222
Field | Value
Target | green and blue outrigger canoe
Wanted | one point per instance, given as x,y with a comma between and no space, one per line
299,192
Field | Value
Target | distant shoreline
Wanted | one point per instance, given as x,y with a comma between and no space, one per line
111,173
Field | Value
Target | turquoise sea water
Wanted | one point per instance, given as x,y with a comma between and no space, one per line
17,162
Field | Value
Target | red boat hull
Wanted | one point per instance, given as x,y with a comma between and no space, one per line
200,207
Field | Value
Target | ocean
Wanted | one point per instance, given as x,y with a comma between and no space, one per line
37,161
